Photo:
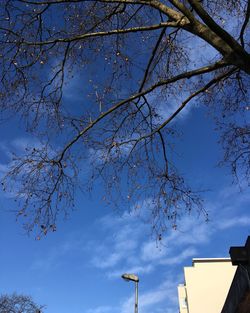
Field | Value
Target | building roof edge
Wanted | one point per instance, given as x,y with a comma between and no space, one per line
208,260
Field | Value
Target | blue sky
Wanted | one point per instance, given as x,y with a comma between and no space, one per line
77,269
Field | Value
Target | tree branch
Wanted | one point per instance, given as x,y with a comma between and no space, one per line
246,21
184,103
189,74
101,34
214,26
152,58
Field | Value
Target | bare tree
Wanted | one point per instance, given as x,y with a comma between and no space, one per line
140,63
18,304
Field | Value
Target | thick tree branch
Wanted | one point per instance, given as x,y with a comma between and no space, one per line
215,27
210,32
186,12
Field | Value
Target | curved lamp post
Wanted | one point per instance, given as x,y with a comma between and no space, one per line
135,279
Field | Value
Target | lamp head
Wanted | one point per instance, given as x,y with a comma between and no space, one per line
131,277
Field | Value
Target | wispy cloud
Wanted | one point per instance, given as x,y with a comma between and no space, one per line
187,253
234,222
116,247
15,146
101,309
148,300
18,145
150,252
127,248
136,269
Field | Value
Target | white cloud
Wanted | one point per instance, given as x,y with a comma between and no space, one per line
136,269
109,261
117,247
177,259
5,149
23,142
148,300
101,309
3,169
127,248
165,108
150,251
234,222
18,146
164,297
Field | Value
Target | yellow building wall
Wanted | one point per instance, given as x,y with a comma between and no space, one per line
207,283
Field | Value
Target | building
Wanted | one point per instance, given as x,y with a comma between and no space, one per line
206,286
238,298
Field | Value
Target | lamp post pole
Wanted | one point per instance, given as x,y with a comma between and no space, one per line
136,296
135,279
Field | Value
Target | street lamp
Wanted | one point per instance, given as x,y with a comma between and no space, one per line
135,279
